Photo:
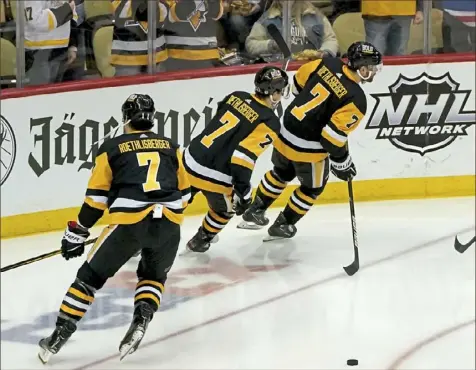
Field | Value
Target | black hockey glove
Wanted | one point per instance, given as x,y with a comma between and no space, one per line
241,202
343,168
72,244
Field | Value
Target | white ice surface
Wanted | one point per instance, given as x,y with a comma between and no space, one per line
279,305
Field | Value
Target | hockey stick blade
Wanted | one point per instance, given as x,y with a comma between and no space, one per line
39,258
276,35
355,265
461,248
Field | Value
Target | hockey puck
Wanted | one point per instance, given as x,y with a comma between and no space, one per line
352,362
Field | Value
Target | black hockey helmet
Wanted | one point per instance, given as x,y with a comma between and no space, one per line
138,110
363,54
270,79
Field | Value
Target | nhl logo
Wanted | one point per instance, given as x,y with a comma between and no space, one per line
422,114
8,147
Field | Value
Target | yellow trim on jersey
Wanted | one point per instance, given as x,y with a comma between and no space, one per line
344,120
334,141
97,205
294,155
127,218
80,294
303,73
193,54
151,282
51,20
261,101
137,60
183,182
101,178
176,218
255,140
350,74
242,162
208,185
42,43
147,295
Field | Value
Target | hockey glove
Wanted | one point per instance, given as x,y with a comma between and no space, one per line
72,244
241,202
343,168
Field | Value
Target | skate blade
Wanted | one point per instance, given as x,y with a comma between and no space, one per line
270,238
131,347
44,355
248,226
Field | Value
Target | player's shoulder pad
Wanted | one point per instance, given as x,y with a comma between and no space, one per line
359,98
273,122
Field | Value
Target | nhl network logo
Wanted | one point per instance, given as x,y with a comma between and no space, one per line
8,148
422,114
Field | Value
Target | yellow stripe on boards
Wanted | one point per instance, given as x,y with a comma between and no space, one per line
335,192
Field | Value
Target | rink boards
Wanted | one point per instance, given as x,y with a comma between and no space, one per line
416,141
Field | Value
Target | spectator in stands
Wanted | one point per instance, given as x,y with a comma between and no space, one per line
459,25
343,6
191,34
387,23
129,52
75,70
239,17
48,45
310,30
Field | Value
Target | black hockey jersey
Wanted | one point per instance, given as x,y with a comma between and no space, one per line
223,156
132,174
329,104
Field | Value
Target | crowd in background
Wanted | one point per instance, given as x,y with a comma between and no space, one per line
87,39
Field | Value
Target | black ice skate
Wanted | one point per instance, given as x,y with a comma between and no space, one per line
254,217
280,229
200,242
52,344
143,313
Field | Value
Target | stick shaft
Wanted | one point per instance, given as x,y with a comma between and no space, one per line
39,258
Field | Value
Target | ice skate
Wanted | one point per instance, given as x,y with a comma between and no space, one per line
280,229
254,217
143,313
51,345
200,243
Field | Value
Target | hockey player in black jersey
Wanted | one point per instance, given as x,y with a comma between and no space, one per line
140,179
220,160
328,106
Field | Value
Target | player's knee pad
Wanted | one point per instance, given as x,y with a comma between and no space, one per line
311,192
89,277
284,174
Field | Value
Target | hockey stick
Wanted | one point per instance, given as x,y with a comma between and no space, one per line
283,47
462,247
354,266
39,258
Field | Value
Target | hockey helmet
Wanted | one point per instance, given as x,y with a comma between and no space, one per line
138,111
271,79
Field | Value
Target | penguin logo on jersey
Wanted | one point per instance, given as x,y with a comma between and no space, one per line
9,149
422,114
198,15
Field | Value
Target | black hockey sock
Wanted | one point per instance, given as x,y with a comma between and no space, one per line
298,205
270,188
149,291
76,302
214,222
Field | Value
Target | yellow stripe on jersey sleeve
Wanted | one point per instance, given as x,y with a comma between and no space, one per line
101,178
183,181
303,73
258,140
347,118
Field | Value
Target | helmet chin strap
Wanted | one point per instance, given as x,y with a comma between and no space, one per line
274,102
